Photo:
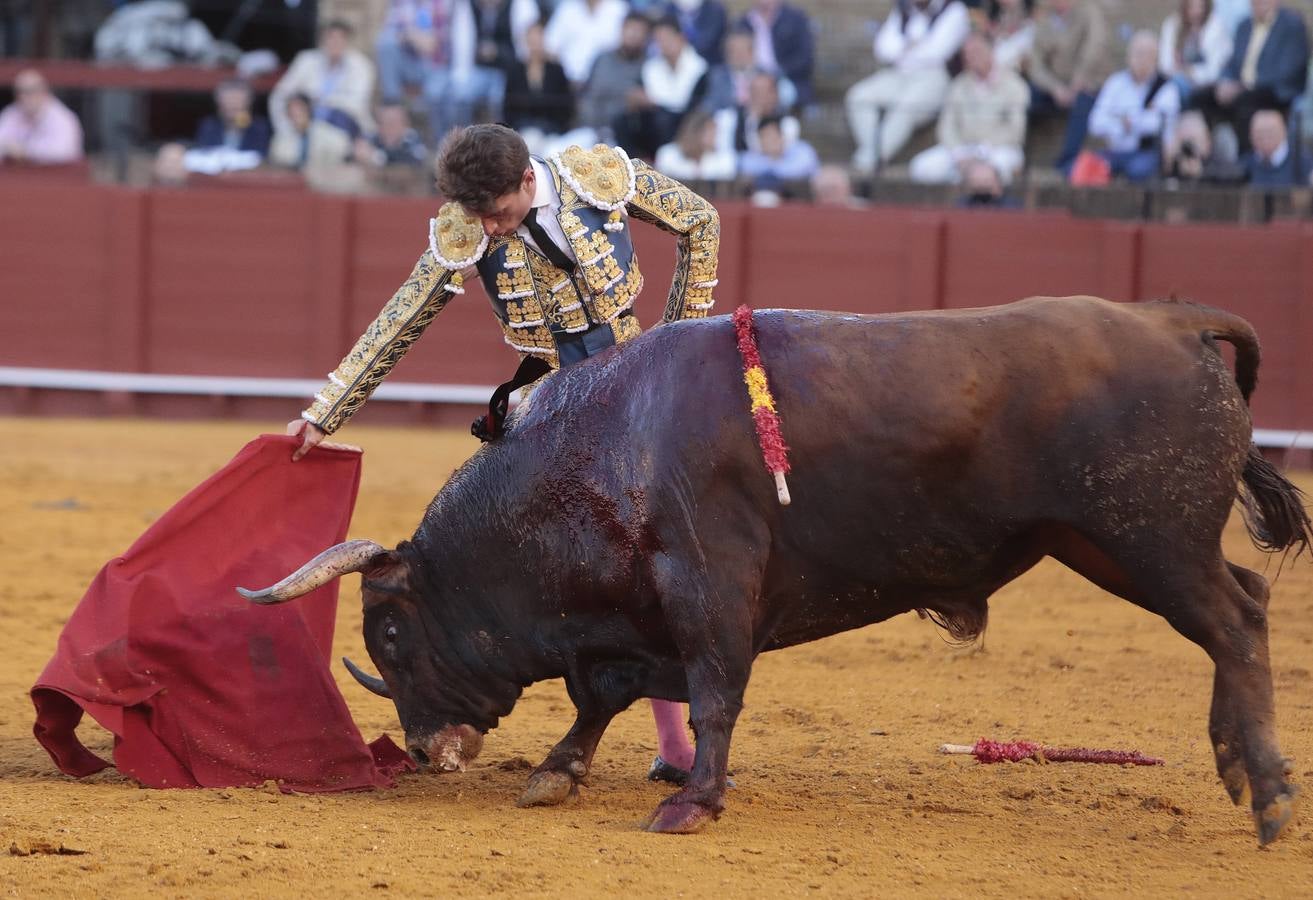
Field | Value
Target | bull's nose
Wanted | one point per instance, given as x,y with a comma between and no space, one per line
418,755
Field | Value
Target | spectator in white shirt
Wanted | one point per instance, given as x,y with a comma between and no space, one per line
338,81
1136,111
984,117
916,44
581,30
1193,46
1011,25
737,127
694,155
672,82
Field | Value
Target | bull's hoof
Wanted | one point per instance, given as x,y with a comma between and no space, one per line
1273,818
549,788
679,818
1236,782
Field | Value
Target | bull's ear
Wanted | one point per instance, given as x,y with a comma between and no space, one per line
386,575
352,556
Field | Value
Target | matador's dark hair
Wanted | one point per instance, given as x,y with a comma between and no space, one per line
480,163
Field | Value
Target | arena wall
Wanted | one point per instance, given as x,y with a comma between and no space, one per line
278,284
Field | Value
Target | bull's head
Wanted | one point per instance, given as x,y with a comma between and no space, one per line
437,733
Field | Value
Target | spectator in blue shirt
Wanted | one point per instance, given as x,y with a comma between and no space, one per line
783,43
704,23
233,125
1267,69
1273,163
777,161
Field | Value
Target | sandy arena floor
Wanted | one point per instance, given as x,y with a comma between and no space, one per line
839,791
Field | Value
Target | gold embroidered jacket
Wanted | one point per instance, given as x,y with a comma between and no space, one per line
540,306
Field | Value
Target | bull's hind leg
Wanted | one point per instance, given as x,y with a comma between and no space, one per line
1229,621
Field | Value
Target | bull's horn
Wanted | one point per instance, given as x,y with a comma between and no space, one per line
332,563
372,683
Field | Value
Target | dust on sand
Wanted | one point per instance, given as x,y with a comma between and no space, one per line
839,790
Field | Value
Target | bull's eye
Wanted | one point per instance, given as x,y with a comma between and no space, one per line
390,633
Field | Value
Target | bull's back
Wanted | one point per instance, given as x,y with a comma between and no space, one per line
913,437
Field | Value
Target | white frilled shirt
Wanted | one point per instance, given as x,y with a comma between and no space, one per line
547,200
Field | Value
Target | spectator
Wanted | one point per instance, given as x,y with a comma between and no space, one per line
984,117
694,154
291,145
1194,45
704,23
337,81
1189,157
1273,163
1267,69
779,160
1136,112
233,125
672,82
37,127
1232,13
915,44
395,143
486,38
833,186
737,128
580,31
1067,67
409,49
1011,25
539,100
500,31
783,44
616,78
727,83
982,187
170,166
457,51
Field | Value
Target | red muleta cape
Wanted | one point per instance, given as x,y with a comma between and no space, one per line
199,687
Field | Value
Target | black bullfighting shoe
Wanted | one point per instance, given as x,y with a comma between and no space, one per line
664,771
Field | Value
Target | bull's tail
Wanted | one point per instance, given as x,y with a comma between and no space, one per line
1273,506
1214,325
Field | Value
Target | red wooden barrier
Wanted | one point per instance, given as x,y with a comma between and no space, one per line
279,283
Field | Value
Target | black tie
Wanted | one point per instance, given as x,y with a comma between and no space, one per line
546,244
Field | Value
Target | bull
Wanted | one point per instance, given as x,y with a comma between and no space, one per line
623,535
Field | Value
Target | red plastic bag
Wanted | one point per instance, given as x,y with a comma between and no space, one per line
199,687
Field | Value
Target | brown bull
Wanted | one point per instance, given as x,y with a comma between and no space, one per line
623,534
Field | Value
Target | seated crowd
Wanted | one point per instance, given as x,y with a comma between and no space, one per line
1216,95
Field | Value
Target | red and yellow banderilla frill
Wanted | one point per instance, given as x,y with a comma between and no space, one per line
774,452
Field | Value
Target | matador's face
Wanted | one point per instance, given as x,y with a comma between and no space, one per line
509,210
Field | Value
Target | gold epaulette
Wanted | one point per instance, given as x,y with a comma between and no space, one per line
457,241
603,177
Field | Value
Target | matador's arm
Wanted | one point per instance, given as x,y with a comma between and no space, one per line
661,201
415,304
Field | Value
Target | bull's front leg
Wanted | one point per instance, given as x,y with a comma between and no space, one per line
714,637
600,692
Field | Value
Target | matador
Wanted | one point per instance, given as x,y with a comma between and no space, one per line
550,240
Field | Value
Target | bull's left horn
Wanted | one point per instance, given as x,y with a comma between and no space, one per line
332,563
372,683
